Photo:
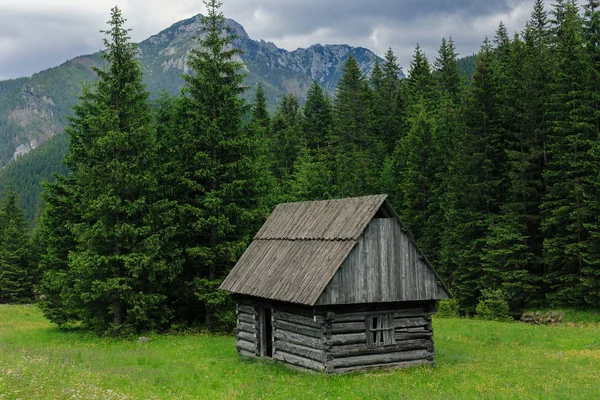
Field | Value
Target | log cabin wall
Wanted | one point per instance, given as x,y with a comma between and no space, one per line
339,339
375,336
298,337
247,333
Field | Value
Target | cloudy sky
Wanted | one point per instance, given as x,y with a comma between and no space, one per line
39,34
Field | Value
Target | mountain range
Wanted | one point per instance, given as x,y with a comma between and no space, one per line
35,108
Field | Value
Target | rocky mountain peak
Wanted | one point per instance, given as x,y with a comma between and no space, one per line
33,116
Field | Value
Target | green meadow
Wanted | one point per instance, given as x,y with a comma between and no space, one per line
474,359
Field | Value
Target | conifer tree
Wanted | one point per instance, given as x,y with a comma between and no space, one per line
502,42
318,120
388,111
591,271
219,202
259,131
312,178
509,253
286,135
419,83
62,304
119,266
416,178
475,190
16,273
260,114
357,153
570,169
446,71
446,116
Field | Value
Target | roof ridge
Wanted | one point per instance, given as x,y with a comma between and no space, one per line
345,239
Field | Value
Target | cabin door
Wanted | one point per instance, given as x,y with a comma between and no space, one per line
266,333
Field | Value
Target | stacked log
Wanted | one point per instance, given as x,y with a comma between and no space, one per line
298,340
346,346
247,331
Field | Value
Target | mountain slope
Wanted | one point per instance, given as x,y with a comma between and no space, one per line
36,108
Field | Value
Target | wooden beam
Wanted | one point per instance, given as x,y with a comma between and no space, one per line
386,358
363,349
298,361
299,350
297,328
295,318
396,365
250,337
248,318
245,345
296,338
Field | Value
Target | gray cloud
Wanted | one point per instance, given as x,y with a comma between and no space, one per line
379,24
38,34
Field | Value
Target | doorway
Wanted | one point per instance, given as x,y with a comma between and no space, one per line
266,333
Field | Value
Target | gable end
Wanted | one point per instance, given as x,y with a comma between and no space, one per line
384,266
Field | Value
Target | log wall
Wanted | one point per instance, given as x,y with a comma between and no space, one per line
247,335
298,337
334,338
345,337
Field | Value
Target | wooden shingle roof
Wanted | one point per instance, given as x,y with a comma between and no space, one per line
342,219
298,250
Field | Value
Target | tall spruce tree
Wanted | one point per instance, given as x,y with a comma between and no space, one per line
388,113
312,175
570,168
62,303
474,193
445,119
318,120
218,205
357,152
411,160
119,267
509,254
420,82
591,271
260,114
259,131
446,71
286,133
416,175
16,272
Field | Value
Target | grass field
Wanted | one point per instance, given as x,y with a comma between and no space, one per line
474,359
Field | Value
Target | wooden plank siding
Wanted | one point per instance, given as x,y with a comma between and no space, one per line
397,271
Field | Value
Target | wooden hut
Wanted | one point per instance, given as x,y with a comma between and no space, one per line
335,286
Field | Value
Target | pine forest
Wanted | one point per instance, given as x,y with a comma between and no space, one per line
496,174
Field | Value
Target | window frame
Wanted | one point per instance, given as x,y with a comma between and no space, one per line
380,329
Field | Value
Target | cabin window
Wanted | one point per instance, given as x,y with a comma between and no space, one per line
380,330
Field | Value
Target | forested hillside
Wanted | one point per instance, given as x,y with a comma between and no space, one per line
498,181
27,173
